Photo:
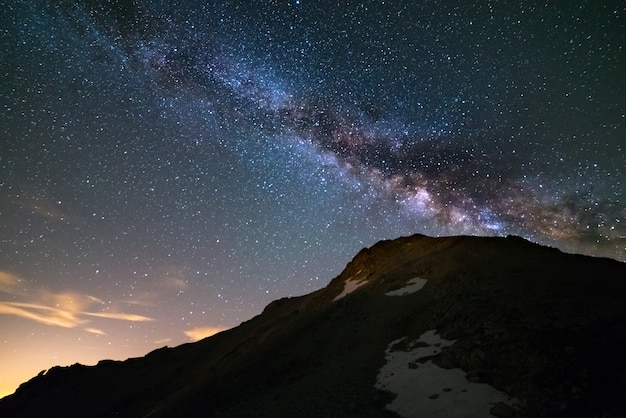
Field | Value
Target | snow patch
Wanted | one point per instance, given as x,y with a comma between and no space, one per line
350,286
412,286
426,390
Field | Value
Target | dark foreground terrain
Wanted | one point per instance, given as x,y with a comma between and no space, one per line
544,330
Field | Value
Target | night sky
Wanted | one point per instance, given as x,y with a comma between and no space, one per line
169,168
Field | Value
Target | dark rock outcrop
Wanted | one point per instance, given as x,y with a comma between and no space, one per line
545,327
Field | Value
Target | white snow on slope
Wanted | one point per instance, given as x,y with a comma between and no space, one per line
412,286
427,390
350,286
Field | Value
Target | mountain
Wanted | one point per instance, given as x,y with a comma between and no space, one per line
417,326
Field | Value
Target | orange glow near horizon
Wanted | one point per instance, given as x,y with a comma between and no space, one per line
45,349
40,328
197,334
51,346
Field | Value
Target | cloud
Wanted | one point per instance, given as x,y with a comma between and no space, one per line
58,309
43,207
175,283
139,302
63,309
163,341
95,331
198,333
43,314
120,316
8,281
95,299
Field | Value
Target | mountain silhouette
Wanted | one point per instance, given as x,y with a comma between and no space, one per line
416,326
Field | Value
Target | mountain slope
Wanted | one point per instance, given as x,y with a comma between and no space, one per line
452,322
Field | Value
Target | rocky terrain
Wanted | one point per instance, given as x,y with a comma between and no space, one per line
417,326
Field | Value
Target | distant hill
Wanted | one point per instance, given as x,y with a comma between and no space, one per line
417,326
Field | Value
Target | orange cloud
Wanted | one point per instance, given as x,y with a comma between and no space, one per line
8,281
120,316
175,283
43,314
95,299
65,309
196,334
95,331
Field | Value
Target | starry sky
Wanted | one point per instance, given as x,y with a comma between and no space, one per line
169,168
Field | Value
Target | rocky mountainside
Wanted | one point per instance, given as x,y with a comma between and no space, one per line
417,326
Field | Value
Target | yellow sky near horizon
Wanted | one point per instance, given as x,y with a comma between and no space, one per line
40,329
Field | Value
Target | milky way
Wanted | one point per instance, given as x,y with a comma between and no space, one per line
168,169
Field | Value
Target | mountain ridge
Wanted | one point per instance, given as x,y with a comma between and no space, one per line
540,326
